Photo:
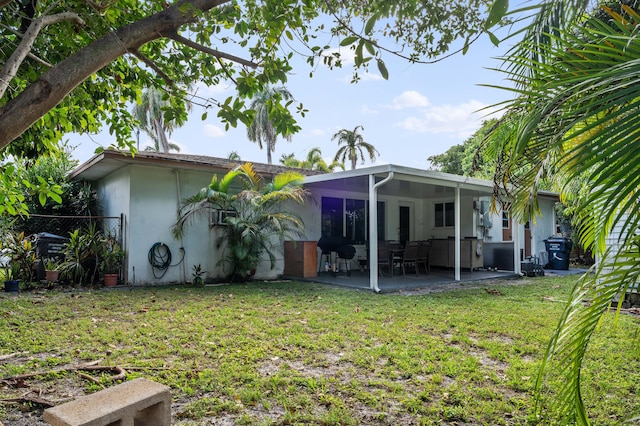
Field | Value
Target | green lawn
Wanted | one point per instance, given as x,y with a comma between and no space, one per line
299,353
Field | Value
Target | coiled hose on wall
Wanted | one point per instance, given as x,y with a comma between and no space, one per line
160,259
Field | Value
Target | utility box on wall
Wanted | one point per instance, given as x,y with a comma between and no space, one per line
301,259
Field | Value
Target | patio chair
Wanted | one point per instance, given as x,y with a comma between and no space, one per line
384,258
424,253
410,256
395,252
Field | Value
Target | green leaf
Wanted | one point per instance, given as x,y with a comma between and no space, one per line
55,197
495,40
370,24
383,69
498,10
349,40
204,116
369,46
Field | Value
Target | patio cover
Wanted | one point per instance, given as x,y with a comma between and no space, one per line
406,182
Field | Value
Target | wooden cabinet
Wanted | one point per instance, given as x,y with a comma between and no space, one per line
443,253
301,259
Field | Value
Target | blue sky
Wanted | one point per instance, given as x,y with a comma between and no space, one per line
422,110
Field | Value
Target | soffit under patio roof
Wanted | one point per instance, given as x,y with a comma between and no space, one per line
407,182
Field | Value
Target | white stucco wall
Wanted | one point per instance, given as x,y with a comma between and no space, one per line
153,211
149,197
543,226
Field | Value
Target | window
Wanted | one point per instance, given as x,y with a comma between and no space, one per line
505,220
219,217
355,218
381,221
444,215
332,217
349,217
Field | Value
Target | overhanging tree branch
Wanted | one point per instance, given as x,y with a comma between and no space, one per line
45,93
148,62
24,48
221,55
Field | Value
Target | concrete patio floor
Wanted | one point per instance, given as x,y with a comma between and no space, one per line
436,281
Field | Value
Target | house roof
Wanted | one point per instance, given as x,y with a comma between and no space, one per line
101,165
406,182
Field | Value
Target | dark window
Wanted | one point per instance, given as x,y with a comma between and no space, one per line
505,220
353,213
332,217
355,217
444,215
381,221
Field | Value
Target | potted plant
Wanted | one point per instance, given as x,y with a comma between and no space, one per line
111,263
12,277
51,268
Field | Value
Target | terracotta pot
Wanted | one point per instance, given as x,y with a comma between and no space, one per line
110,280
51,276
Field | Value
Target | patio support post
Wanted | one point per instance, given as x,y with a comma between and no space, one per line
516,247
373,229
457,233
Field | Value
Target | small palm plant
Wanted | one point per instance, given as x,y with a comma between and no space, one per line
260,218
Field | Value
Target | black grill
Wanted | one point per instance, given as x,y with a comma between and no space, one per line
340,246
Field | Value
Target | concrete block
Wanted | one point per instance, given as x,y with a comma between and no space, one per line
138,402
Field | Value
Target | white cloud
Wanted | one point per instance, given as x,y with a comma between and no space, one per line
456,120
212,131
459,120
409,99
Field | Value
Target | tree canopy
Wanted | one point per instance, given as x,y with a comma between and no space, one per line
75,66
469,158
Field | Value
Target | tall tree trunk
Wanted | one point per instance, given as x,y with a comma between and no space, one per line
270,147
162,135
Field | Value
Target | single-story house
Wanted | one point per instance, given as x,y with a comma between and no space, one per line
406,204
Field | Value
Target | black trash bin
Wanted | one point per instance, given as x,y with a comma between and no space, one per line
48,246
558,249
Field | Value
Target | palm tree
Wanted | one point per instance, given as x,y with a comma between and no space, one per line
150,113
574,122
260,219
314,161
354,147
233,156
262,129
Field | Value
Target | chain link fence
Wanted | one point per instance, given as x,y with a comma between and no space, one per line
62,226
50,233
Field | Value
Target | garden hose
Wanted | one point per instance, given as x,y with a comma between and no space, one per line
160,259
